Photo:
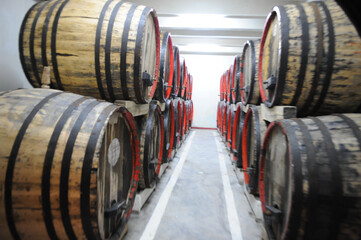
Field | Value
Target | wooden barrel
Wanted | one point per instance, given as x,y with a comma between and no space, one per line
176,72
189,106
218,113
229,84
237,135
191,114
165,81
184,120
236,91
190,88
352,12
177,122
310,178
254,128
222,87
230,119
183,77
219,116
69,166
104,49
151,132
169,131
226,85
310,58
249,73
224,120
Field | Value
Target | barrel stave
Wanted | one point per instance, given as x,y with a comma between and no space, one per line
318,156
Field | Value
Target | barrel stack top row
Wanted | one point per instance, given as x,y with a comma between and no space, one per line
111,50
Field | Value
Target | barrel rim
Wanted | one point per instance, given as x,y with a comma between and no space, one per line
248,45
262,163
282,60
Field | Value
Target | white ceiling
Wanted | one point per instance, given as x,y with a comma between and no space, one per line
212,26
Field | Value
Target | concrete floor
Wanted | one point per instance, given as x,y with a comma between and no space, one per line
197,201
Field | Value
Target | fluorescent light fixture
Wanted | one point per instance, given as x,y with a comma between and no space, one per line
209,21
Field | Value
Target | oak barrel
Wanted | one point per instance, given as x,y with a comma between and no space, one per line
104,49
176,71
249,73
221,88
151,132
218,115
69,166
237,135
230,119
178,112
309,181
184,120
229,85
254,128
236,90
169,130
310,58
165,81
191,113
190,87
224,120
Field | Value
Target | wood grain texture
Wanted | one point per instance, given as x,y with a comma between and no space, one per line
177,103
169,131
253,132
310,171
94,48
312,50
165,81
249,73
53,162
151,132
176,72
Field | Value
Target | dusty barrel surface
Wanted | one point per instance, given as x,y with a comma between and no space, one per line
151,134
236,89
169,130
166,69
69,166
176,71
310,58
224,119
254,128
221,88
104,49
310,178
189,107
183,78
177,103
190,113
249,73
229,85
190,88
230,119
237,135
219,115
184,120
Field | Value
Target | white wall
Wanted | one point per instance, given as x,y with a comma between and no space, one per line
12,13
206,71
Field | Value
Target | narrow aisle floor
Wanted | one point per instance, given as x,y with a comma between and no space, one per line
193,200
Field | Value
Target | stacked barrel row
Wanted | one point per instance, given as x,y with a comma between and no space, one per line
71,165
306,171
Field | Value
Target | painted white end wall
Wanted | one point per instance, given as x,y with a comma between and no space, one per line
206,71
11,15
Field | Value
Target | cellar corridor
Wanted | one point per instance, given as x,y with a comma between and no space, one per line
198,197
